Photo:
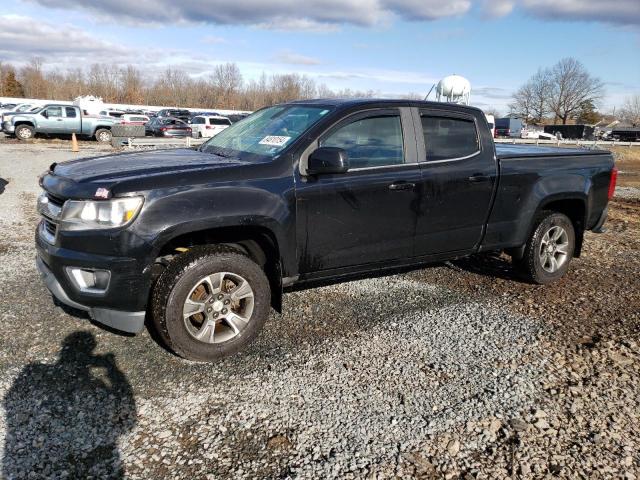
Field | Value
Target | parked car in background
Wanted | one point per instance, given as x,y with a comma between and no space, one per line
56,119
509,127
132,119
206,126
20,108
167,127
111,113
182,114
236,117
536,134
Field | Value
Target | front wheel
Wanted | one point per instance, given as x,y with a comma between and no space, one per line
24,132
210,302
549,249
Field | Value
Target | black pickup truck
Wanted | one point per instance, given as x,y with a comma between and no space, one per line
203,242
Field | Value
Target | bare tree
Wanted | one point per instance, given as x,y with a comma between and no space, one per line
522,104
571,85
33,81
630,111
227,81
531,101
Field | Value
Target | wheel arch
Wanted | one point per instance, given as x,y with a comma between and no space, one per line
257,242
575,208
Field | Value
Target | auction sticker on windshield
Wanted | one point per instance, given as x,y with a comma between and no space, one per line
274,140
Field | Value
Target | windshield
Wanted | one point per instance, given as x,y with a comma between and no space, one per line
266,132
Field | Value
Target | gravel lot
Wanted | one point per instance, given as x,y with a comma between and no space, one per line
473,375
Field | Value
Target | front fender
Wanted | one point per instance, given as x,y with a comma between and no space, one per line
170,214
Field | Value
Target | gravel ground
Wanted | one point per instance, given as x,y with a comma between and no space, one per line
473,375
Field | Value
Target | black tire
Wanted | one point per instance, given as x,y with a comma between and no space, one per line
103,135
531,265
179,278
25,132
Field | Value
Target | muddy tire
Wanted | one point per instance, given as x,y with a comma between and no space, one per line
549,249
25,132
210,302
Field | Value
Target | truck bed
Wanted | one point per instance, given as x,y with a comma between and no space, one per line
504,151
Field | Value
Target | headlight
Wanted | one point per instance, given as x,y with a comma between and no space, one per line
91,215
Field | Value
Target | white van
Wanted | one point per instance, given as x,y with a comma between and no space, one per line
492,124
206,126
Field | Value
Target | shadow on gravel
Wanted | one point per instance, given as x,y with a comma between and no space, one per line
3,183
64,419
489,265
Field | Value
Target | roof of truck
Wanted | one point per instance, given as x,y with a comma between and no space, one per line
352,102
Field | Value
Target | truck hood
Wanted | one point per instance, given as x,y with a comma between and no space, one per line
129,171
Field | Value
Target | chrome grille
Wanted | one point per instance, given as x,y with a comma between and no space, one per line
50,207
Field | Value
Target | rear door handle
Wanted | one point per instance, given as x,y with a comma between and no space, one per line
402,185
479,178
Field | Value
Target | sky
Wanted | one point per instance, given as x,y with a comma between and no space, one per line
392,47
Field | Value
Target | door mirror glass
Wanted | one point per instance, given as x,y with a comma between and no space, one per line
327,160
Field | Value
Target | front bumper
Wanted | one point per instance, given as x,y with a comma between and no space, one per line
131,322
8,127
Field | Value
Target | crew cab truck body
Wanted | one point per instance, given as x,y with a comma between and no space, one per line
54,119
205,241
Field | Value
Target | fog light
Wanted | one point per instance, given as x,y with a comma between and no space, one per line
89,280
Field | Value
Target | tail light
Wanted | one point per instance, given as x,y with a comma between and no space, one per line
208,127
163,129
612,182
508,132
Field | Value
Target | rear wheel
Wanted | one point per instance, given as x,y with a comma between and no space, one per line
549,249
24,132
210,302
103,135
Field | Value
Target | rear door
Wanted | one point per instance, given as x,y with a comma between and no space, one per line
367,214
459,174
71,120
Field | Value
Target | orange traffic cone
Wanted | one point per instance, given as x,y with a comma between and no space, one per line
74,143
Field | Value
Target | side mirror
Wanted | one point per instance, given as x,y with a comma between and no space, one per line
45,114
326,160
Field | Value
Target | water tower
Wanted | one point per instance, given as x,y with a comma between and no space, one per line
454,89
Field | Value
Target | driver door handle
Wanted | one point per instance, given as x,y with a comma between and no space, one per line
479,178
402,185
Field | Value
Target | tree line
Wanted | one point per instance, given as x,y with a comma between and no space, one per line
223,88
566,91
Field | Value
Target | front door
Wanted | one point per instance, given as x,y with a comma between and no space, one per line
367,214
53,121
458,178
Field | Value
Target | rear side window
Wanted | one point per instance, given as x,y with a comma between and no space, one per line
219,121
447,138
370,142
71,112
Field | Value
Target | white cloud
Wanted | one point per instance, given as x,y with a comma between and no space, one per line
497,8
22,37
622,12
293,58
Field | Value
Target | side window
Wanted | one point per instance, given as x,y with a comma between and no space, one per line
370,142
447,138
197,121
54,111
70,112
